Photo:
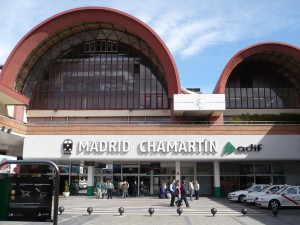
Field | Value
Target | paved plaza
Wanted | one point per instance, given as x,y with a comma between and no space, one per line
105,211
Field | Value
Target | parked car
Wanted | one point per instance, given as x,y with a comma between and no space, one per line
287,196
237,196
250,197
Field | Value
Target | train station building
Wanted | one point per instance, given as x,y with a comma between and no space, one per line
97,91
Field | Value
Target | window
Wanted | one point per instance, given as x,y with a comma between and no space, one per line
99,74
291,191
260,85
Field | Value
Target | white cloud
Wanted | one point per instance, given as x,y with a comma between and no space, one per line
187,27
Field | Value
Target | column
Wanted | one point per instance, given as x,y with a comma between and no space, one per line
177,170
217,188
90,185
151,182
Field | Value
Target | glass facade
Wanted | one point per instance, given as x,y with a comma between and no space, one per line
260,86
98,69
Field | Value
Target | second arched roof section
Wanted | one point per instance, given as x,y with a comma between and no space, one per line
284,55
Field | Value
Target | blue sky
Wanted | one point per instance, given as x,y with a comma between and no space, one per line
202,35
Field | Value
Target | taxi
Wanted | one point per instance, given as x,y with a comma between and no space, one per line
250,197
287,196
237,196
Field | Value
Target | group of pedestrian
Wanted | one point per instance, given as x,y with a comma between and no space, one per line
104,189
193,187
178,191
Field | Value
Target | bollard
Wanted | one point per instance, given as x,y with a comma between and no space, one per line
213,211
151,211
121,210
244,212
89,210
179,211
61,209
275,211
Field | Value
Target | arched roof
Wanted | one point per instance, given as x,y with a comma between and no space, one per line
86,15
285,55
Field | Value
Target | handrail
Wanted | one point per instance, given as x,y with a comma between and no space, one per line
161,123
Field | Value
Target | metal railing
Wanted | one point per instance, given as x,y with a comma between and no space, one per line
161,123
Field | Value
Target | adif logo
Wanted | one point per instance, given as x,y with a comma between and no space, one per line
229,148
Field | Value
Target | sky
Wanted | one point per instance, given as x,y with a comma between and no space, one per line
202,35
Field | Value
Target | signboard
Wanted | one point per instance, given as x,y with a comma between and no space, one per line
105,148
30,199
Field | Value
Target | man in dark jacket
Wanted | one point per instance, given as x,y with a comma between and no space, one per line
172,192
183,193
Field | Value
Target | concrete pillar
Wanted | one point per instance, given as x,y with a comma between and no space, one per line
151,182
217,187
90,185
177,170
216,119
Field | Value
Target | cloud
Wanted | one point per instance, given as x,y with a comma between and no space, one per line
187,27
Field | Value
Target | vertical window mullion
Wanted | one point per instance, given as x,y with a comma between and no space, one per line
128,70
116,73
59,84
71,81
122,85
156,94
77,81
88,83
82,77
54,82
145,88
49,88
100,75
94,79
105,61
110,80
139,84
64,83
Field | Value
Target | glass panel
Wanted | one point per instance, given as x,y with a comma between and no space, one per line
189,170
229,169
268,87
79,77
278,168
246,169
205,169
262,168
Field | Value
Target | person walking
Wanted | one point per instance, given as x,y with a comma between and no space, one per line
191,190
99,190
142,186
134,189
125,189
120,188
110,189
178,192
104,189
183,193
172,192
197,189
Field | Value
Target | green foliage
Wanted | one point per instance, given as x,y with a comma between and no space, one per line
277,118
67,187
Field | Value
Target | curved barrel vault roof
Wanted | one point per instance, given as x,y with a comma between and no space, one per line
285,55
86,15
